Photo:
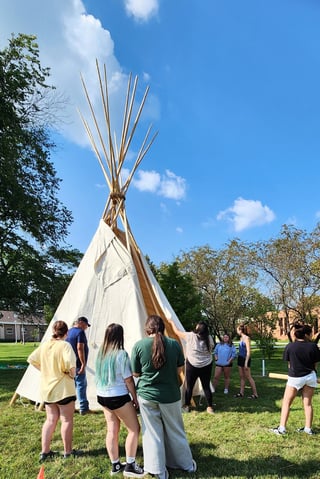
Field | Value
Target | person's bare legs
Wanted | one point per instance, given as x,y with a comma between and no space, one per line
217,374
227,374
248,376
66,417
128,416
242,379
112,436
307,394
289,395
49,426
251,381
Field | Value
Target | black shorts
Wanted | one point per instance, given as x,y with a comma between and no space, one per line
114,402
225,366
241,361
64,401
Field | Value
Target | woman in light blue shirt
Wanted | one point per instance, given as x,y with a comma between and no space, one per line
224,354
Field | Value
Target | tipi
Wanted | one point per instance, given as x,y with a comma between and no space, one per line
113,282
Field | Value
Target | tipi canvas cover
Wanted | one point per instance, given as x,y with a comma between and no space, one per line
113,283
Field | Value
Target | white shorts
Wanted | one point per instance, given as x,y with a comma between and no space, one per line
308,380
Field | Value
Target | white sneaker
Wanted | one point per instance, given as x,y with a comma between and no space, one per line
277,431
164,475
226,391
194,467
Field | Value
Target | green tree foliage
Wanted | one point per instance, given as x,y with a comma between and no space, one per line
289,265
254,282
181,294
224,280
262,322
32,219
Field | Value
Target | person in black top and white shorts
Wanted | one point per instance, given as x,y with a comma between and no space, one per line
302,356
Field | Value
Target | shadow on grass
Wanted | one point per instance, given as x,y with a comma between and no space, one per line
273,466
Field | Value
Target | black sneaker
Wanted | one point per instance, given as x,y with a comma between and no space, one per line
302,429
133,470
117,467
43,456
73,453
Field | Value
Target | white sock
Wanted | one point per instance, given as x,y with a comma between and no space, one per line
116,461
130,460
281,428
307,429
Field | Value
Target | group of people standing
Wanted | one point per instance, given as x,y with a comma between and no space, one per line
199,352
158,364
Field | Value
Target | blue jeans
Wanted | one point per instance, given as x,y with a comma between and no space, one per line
81,388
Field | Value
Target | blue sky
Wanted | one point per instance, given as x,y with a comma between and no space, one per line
234,95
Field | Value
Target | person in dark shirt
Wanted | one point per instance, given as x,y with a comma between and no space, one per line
302,356
78,340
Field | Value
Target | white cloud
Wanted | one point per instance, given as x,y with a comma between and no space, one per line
70,40
147,181
179,229
168,185
142,10
245,214
172,186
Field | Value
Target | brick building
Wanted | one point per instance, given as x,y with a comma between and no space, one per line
281,327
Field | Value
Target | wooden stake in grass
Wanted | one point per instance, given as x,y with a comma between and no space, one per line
284,376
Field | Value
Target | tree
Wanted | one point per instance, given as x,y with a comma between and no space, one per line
60,264
31,216
290,269
262,319
181,294
224,280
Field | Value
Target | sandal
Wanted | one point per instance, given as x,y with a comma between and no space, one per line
253,396
238,395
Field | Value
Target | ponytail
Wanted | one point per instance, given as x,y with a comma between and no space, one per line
155,325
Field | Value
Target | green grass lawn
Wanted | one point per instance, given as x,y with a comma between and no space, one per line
233,443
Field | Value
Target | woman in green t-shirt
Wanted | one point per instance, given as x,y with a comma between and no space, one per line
157,361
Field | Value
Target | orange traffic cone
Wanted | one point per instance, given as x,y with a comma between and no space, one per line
41,473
